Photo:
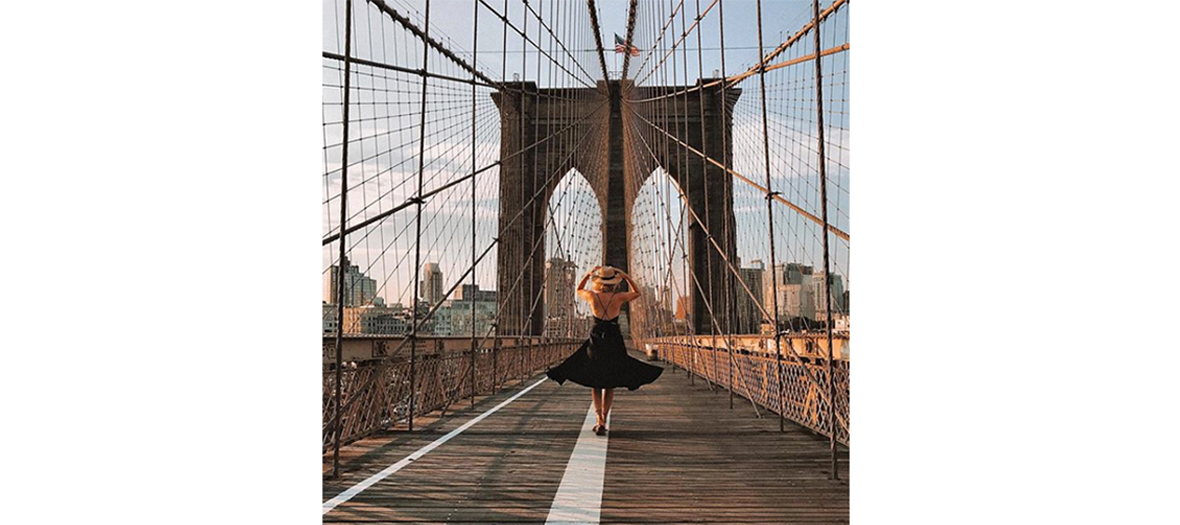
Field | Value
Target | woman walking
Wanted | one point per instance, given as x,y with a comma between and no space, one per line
602,363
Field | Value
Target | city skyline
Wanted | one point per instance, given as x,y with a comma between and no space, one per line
393,267
799,294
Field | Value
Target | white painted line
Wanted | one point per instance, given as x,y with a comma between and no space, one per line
359,487
579,497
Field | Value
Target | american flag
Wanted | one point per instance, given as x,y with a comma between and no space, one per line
622,47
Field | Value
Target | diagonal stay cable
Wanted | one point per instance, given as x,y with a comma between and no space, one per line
660,40
495,241
558,40
501,231
530,41
597,37
695,281
680,40
402,69
409,25
729,264
630,34
838,232
754,69
736,79
692,275
412,201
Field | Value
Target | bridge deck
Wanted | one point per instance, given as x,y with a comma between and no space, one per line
675,453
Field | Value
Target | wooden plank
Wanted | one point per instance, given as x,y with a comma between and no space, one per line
522,449
677,454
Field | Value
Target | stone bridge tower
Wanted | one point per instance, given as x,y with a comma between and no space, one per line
600,148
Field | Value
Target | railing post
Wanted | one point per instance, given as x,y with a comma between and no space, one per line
495,359
343,218
823,199
729,369
438,379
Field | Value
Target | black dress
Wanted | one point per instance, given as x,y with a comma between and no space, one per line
602,361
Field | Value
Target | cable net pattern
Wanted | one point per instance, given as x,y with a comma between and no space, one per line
725,102
479,158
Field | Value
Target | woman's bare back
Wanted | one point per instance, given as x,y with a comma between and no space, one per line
607,305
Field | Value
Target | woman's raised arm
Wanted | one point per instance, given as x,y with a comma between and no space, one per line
581,290
634,293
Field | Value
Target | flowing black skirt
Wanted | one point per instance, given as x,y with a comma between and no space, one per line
602,362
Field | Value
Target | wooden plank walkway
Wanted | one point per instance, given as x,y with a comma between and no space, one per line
676,454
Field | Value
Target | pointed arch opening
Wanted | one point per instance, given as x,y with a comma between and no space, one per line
659,258
573,245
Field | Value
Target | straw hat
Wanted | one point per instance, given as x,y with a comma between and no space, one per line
606,276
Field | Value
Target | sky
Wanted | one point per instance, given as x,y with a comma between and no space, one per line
452,22
780,17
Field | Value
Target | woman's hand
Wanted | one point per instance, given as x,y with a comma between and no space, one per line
633,294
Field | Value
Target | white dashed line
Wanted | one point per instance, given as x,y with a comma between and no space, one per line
579,497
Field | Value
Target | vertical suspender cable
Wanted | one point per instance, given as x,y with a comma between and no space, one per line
681,173
533,223
712,375
474,261
343,218
823,200
501,296
524,266
418,221
725,139
778,355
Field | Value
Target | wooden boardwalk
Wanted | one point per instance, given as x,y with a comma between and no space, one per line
675,454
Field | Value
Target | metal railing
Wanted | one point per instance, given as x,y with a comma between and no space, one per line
737,208
748,369
376,396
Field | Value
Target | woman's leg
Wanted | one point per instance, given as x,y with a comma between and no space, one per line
608,397
597,404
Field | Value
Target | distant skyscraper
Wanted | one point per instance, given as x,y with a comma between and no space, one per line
471,292
432,284
749,317
795,300
359,289
794,293
821,299
682,308
329,318
561,278
442,320
372,319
